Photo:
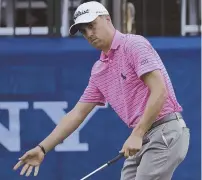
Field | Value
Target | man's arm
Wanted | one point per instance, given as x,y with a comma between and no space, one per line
68,124
158,94
32,159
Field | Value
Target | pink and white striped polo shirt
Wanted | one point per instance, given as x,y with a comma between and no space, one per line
115,78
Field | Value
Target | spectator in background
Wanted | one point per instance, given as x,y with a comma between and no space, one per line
128,16
131,18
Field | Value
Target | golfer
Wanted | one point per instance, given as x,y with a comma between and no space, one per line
131,77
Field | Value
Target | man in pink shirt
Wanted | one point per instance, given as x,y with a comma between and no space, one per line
131,77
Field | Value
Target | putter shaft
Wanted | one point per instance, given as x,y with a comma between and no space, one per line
105,165
145,141
98,169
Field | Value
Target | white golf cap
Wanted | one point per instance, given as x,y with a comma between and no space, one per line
87,12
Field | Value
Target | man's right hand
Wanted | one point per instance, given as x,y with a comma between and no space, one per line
68,124
31,160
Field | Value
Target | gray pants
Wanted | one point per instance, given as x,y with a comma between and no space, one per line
158,159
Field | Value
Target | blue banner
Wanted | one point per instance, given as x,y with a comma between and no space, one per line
42,79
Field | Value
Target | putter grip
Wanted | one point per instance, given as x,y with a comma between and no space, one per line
115,159
145,141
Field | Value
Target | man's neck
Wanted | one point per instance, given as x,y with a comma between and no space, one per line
110,40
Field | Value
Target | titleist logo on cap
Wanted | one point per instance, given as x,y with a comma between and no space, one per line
79,13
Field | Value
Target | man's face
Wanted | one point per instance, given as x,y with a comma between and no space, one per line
96,31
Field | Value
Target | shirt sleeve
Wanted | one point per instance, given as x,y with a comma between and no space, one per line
92,94
144,58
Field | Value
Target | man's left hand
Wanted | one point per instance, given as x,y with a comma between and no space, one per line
132,145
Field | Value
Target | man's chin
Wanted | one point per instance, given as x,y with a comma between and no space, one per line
96,46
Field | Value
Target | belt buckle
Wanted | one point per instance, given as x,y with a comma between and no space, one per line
178,118
181,121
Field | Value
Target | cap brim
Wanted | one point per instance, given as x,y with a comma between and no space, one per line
84,19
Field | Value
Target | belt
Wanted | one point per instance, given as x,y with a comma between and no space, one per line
170,117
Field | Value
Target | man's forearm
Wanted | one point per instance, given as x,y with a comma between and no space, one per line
153,108
66,126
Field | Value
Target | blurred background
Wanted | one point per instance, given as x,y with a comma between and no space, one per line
44,71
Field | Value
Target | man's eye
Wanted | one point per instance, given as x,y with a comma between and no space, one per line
81,31
90,26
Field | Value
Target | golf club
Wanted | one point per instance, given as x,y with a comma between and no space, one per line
105,165
115,159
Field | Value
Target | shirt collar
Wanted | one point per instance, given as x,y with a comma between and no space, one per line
114,46
116,40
